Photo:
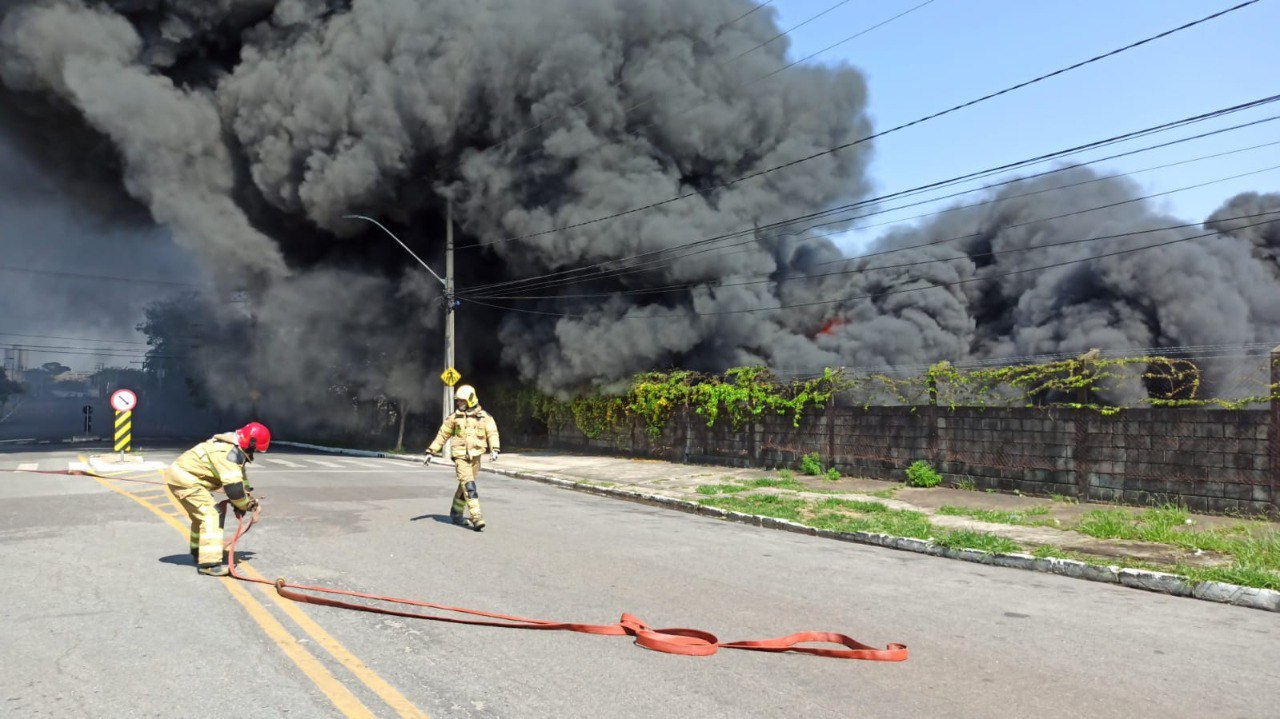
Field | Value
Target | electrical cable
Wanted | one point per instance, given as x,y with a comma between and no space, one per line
544,280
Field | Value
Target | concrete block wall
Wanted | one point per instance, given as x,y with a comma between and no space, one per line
1207,460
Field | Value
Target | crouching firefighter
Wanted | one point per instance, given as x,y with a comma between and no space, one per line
218,463
471,432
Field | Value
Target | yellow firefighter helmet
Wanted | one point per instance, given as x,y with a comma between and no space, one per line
467,394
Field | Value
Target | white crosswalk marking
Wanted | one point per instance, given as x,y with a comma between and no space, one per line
330,464
324,463
361,462
276,460
29,466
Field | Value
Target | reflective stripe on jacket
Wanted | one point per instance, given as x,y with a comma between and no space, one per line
212,464
473,432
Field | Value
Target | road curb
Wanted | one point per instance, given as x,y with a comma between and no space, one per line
1160,582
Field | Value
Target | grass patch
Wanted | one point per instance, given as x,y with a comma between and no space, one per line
1236,574
1165,525
982,541
1064,499
871,517
720,488
1256,556
784,483
886,493
1027,517
853,505
786,474
765,505
1050,552
832,474
965,483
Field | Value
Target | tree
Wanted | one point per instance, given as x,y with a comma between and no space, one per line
176,336
55,368
7,387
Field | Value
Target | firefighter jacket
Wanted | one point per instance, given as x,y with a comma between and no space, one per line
472,431
217,463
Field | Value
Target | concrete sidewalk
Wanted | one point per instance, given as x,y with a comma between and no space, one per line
1042,522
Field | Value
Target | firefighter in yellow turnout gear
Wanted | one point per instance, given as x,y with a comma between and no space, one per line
471,433
218,463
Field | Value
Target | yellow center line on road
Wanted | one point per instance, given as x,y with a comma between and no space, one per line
341,697
149,494
345,657
388,693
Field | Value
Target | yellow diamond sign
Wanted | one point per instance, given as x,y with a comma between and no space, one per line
450,376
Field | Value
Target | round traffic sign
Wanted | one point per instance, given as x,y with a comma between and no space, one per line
123,400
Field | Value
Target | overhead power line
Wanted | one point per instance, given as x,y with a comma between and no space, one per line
744,15
78,339
915,263
141,354
770,278
83,276
877,295
875,135
608,268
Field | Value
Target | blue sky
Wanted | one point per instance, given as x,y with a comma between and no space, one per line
951,51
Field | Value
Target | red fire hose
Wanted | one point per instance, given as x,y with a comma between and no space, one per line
689,642
675,640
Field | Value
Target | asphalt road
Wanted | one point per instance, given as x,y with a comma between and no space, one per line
103,614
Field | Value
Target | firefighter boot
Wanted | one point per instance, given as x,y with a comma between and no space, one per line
213,570
455,510
473,505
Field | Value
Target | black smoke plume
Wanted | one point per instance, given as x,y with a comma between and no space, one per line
250,128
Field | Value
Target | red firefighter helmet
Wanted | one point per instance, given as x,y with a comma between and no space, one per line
254,437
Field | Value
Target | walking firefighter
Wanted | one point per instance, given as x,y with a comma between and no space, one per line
471,432
218,463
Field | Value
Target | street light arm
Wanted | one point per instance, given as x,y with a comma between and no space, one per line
397,239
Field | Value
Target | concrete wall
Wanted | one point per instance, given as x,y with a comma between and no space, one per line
1208,460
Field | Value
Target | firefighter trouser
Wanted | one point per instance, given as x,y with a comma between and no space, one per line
466,496
206,531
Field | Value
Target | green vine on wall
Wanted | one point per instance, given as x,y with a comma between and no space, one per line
738,396
744,394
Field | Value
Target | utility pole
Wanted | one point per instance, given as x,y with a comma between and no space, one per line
448,302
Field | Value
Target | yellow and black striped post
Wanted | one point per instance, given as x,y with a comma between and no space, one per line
124,431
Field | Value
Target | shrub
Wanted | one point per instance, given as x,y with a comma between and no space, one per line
833,474
811,465
920,474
